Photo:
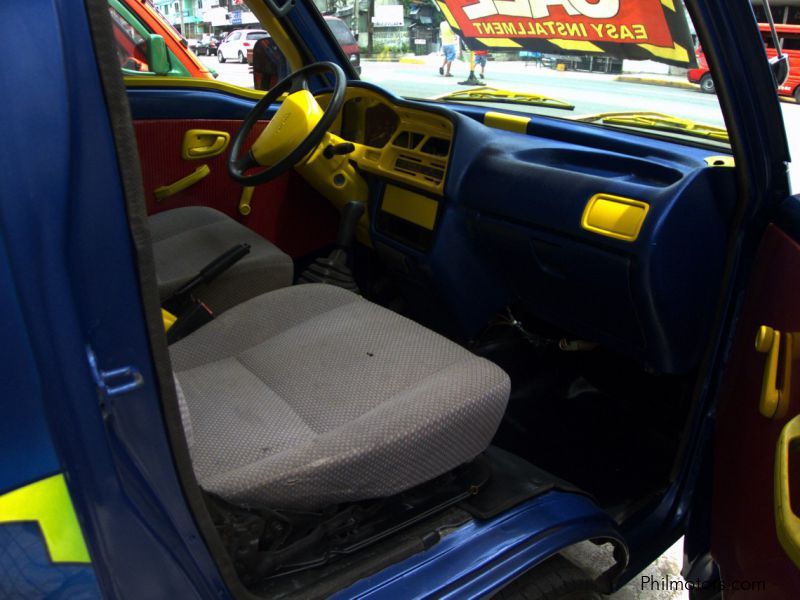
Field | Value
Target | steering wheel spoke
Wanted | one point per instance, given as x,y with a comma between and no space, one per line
297,127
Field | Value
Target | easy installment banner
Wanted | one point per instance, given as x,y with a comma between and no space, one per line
635,29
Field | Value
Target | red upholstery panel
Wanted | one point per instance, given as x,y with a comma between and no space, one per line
286,211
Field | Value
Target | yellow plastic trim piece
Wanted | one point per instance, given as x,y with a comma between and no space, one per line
168,318
787,523
614,216
498,120
720,161
410,206
165,191
47,503
193,83
245,199
204,143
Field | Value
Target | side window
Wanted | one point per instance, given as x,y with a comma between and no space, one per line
130,44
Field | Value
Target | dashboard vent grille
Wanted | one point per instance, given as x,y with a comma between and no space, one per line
432,171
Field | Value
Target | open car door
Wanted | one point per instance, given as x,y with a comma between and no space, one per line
756,498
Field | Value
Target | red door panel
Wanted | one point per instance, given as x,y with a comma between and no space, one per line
286,211
744,540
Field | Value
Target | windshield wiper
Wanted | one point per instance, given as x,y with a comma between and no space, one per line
660,121
490,94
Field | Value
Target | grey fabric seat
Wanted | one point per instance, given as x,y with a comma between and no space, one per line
186,239
310,395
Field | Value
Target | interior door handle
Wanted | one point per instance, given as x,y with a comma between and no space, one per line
204,143
165,191
774,400
787,523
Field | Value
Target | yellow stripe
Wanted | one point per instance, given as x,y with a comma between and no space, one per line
498,42
677,53
448,15
190,82
47,503
576,45
506,122
670,4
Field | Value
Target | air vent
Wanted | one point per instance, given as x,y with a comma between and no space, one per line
436,147
416,167
407,139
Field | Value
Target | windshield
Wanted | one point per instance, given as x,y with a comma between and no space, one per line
545,58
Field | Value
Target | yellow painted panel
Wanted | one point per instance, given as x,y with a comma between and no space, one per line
670,4
498,42
507,122
447,14
47,503
614,216
410,206
677,52
581,45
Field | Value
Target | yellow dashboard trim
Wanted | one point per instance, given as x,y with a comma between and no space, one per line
498,120
189,82
615,216
720,161
410,206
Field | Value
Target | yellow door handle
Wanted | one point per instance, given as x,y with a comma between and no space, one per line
787,523
774,401
204,143
165,191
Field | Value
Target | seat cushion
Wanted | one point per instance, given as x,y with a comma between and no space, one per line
310,395
186,239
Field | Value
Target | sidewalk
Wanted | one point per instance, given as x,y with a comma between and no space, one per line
662,80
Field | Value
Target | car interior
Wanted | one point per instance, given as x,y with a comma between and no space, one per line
388,318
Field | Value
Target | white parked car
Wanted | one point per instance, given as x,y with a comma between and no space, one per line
237,43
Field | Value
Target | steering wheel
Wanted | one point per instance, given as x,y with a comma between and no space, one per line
296,129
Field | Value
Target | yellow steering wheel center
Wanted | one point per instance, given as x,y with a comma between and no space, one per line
297,116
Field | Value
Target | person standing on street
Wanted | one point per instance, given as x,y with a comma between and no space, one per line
449,40
480,59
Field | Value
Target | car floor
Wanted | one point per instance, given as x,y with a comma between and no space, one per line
590,417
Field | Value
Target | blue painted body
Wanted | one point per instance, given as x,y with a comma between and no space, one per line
68,283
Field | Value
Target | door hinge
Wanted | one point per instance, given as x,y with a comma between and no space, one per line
114,382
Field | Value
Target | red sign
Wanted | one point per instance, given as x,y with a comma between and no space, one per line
611,24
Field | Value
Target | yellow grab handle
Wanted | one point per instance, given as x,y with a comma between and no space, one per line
787,522
774,401
244,201
204,143
165,191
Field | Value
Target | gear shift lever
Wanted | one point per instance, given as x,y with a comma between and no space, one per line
333,269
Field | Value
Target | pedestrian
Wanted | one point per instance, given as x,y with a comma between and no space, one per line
269,65
449,40
480,59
